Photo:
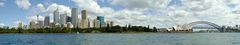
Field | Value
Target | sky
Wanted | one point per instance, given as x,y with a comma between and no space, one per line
159,13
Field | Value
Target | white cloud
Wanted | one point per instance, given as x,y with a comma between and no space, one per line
135,4
35,18
2,3
42,11
62,8
40,7
91,6
134,15
148,12
25,4
1,24
159,13
216,11
17,22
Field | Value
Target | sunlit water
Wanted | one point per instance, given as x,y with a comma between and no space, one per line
122,39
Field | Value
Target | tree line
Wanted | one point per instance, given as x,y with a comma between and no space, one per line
107,29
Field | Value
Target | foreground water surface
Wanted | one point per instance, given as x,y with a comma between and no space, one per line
122,39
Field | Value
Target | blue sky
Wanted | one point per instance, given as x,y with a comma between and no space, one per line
159,13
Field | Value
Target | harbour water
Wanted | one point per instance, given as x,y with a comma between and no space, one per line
122,39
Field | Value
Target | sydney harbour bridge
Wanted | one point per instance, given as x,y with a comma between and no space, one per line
189,26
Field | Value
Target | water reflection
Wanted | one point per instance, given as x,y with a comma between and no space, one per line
122,39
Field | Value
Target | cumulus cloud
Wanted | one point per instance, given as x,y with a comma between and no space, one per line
17,22
2,3
151,12
40,10
221,12
134,15
25,4
61,8
1,24
35,18
135,4
91,6
40,7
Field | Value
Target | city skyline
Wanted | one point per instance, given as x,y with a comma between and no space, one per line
159,13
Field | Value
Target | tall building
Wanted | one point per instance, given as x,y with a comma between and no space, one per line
47,21
84,21
32,25
84,15
40,24
68,19
20,25
25,27
110,23
89,23
74,20
56,18
96,23
63,19
101,20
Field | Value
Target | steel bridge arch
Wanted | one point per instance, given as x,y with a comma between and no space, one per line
189,25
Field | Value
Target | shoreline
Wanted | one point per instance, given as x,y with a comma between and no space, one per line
114,33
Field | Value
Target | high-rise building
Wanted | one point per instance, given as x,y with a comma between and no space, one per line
84,15
101,20
74,15
25,27
63,19
68,19
46,21
84,21
20,25
96,23
32,25
89,23
110,23
56,18
40,24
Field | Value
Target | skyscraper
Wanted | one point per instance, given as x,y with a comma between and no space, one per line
63,19
96,23
20,25
110,23
84,15
46,21
89,23
84,21
68,19
32,25
101,20
40,24
56,16
74,20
